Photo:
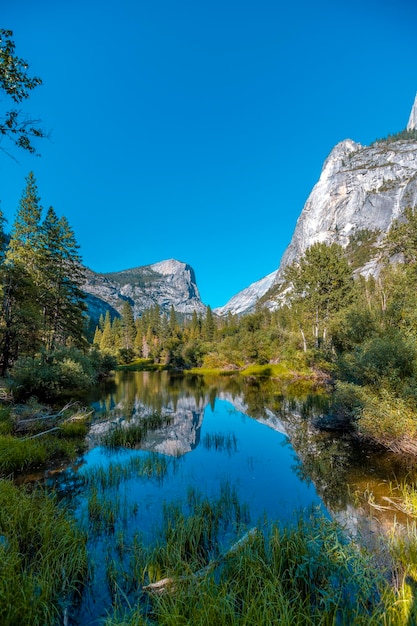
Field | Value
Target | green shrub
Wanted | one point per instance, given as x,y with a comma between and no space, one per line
387,420
346,402
49,375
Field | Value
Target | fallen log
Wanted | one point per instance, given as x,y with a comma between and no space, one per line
168,584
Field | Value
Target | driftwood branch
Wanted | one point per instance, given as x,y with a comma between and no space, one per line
48,416
168,584
44,432
60,419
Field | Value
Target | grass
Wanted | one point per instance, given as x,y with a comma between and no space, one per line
19,454
306,575
151,466
24,444
131,434
220,442
42,557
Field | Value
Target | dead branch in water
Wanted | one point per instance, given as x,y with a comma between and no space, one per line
44,432
168,584
60,418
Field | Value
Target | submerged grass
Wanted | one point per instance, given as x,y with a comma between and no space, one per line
308,575
152,465
131,434
42,557
220,442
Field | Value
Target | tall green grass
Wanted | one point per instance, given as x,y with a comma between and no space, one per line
42,557
18,454
130,435
152,465
307,575
220,442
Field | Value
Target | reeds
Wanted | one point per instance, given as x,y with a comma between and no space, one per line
220,442
152,465
305,575
131,434
42,557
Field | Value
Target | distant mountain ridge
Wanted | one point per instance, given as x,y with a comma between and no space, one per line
167,283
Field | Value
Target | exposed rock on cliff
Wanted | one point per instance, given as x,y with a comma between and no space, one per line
360,189
412,122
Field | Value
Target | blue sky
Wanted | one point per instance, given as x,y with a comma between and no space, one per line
196,130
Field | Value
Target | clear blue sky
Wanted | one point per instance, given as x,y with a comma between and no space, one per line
196,130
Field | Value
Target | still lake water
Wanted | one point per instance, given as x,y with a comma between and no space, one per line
251,435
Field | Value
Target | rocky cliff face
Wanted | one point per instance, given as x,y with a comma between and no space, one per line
362,189
167,283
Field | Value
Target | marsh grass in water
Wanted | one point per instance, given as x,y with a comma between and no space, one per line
220,442
42,557
151,466
309,574
131,434
306,575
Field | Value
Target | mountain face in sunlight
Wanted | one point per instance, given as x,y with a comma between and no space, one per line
360,192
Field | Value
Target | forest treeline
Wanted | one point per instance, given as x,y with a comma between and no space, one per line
43,345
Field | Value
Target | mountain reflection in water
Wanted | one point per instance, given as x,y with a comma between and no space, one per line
337,465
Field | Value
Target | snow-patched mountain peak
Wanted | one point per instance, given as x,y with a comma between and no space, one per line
245,301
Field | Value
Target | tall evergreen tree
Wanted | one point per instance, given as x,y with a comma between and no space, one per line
209,326
20,275
24,243
2,238
128,326
321,284
106,342
61,279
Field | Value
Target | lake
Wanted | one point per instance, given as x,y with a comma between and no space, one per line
250,442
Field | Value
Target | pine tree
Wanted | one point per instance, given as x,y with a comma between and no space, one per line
128,327
19,319
25,242
98,334
20,275
195,328
2,238
61,279
106,342
321,284
173,324
209,326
